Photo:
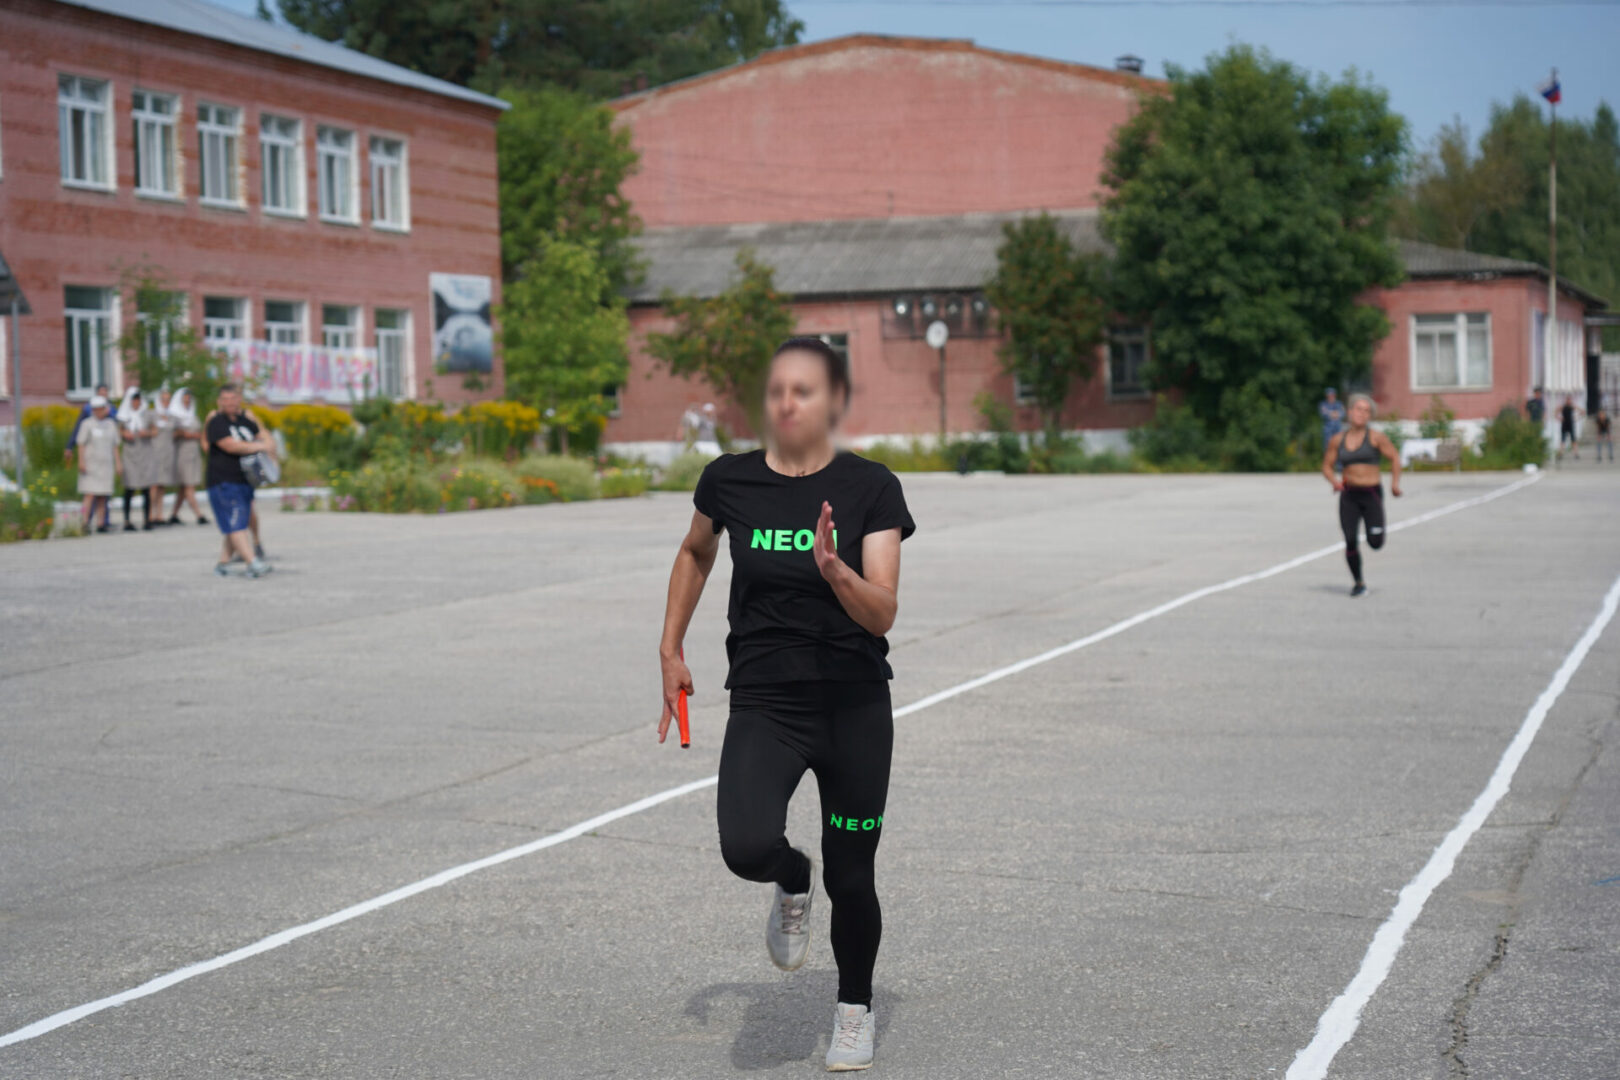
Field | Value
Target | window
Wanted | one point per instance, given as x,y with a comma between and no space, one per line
389,206
81,112
1023,392
224,318
1451,352
154,116
284,322
281,154
393,356
610,395
1127,357
335,149
218,129
340,326
88,319
840,345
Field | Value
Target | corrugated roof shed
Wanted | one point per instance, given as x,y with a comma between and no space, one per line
210,21
901,254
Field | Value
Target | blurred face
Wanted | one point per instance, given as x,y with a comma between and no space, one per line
1360,412
164,397
799,402
230,402
99,412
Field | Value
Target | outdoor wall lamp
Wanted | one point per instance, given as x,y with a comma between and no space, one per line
929,308
902,307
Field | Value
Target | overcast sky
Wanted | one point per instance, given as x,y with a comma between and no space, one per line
1437,59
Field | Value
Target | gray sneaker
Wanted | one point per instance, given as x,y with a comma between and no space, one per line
258,568
851,1048
787,930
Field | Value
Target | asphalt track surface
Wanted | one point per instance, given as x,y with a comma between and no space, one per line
1162,854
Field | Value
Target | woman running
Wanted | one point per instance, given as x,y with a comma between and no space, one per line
1357,451
815,553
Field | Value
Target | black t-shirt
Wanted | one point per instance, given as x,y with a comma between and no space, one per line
1566,413
224,468
786,621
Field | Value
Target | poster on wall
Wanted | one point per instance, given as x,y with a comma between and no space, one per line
463,338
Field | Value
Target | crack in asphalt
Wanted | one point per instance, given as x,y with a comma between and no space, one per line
1457,1064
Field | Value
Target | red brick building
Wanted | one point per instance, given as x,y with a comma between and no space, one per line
305,200
874,174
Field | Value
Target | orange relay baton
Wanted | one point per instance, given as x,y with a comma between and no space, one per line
680,715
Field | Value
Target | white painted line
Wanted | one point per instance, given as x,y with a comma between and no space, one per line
1341,1019
276,940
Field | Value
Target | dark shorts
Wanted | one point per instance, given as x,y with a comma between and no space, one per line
233,505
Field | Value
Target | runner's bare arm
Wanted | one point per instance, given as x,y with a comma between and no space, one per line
1327,461
871,600
1387,447
693,561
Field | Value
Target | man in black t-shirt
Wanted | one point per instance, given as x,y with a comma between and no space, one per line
232,433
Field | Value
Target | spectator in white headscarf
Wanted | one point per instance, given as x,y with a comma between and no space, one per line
137,436
188,469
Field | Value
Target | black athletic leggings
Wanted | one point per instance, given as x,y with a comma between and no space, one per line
1358,504
844,733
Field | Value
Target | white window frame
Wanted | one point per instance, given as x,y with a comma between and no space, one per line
327,152
278,144
1132,335
219,328
346,335
1022,395
287,333
5,354
103,370
1459,327
224,138
97,148
399,164
400,337
148,123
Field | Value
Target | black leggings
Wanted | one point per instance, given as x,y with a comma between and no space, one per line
844,733
1358,504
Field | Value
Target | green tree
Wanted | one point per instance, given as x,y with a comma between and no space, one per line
728,339
561,165
564,347
595,46
1050,300
1511,219
159,349
1451,189
1249,208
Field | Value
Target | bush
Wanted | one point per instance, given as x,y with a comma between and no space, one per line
478,485
29,517
1173,436
1511,442
915,457
302,472
46,431
574,479
389,487
311,431
622,483
267,417
1435,421
497,428
682,473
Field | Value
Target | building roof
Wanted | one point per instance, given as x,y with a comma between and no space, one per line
902,254
788,53
1433,261
826,258
210,21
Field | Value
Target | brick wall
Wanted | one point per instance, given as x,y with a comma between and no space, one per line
55,236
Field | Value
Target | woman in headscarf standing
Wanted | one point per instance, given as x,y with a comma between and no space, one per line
162,474
135,424
188,468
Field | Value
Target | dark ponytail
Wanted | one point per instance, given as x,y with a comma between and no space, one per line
837,370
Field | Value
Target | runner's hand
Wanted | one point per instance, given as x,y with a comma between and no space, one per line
677,677
827,560
1338,485
1395,488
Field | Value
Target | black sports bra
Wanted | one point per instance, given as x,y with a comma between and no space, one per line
1365,454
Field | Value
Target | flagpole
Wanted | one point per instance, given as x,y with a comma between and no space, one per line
1552,242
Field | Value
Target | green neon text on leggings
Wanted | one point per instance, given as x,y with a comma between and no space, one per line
786,539
849,824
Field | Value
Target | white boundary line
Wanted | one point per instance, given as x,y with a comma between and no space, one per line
276,940
1341,1019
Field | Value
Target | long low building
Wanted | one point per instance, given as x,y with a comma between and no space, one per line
1465,327
330,220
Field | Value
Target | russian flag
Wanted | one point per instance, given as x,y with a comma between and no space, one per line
1551,90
